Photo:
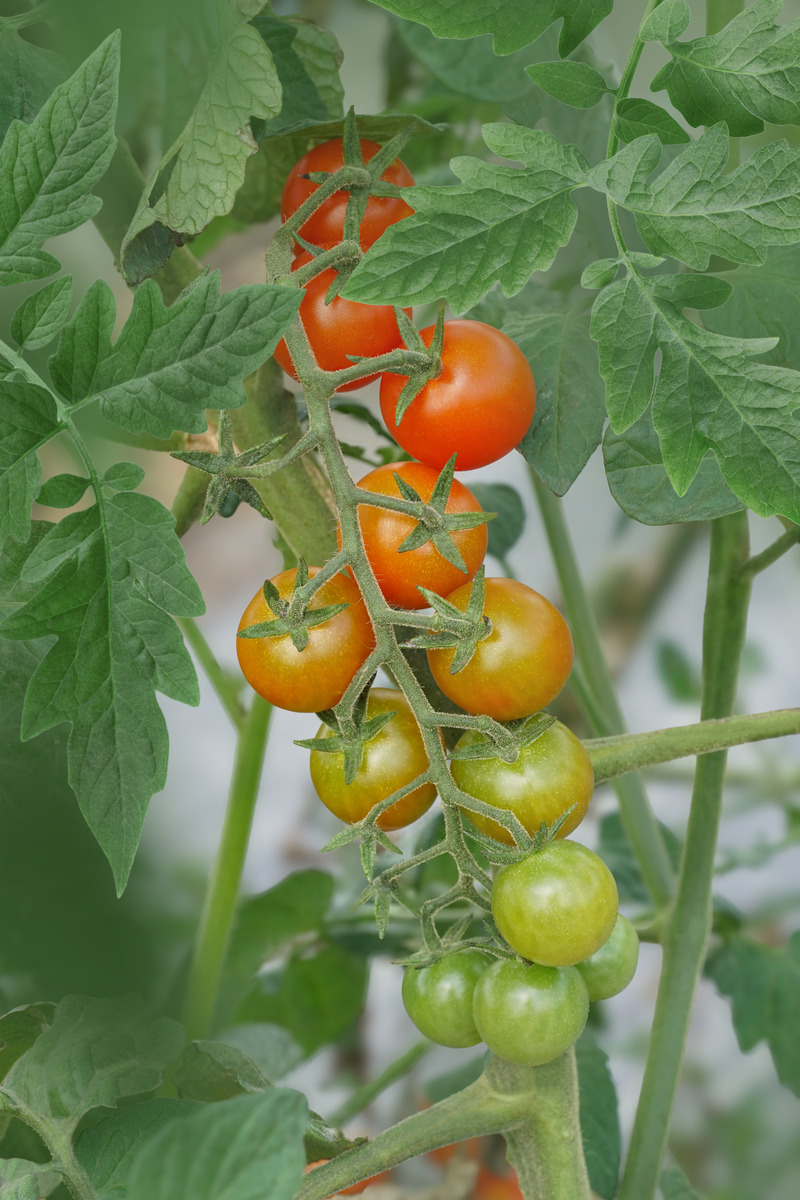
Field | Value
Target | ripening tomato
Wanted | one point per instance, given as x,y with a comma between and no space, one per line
315,678
341,328
529,1014
400,574
521,666
438,998
611,968
392,758
325,227
551,774
479,407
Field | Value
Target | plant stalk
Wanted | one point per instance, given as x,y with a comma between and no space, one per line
227,694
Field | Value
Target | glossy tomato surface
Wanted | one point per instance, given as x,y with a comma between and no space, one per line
326,225
392,758
400,574
551,775
438,998
479,407
315,678
611,968
529,1014
341,328
557,906
521,666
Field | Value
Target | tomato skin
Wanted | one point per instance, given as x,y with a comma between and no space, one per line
326,225
394,757
556,907
479,407
315,678
611,968
521,666
383,531
529,1014
550,775
341,328
438,998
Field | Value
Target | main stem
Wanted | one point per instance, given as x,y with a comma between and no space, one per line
686,936
219,906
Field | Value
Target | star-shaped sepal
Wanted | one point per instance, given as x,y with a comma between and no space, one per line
230,471
292,617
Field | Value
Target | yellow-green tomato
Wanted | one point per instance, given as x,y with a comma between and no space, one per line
611,968
438,998
557,906
392,758
529,1014
551,775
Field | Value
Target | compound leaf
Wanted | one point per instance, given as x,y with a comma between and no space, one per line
107,1151
28,419
40,316
29,74
765,303
637,118
573,83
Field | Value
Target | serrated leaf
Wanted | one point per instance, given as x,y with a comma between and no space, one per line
107,1151
48,168
235,1150
599,1116
692,210
512,23
19,1029
505,532
600,273
763,983
302,103
746,74
124,476
204,168
709,395
497,226
62,491
666,22
28,419
765,303
638,480
29,75
637,118
23,1180
40,316
214,1071
19,485
94,1053
108,577
573,83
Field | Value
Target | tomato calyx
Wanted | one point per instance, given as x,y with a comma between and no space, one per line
431,366
292,617
350,743
522,733
451,626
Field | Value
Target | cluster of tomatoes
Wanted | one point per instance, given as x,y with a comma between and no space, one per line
556,908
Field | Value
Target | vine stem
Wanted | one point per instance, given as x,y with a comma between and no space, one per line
637,816
219,906
363,1096
227,694
688,927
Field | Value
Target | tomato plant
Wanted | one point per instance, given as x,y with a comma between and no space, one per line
521,666
529,1013
611,968
551,775
391,758
316,677
556,906
438,998
478,407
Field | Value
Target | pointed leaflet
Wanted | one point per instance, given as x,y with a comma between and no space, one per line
513,23
636,118
708,394
107,579
746,74
498,225
28,419
48,168
573,83
40,316
692,210
765,303
29,75
199,176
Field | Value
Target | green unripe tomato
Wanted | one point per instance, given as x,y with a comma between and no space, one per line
557,906
611,968
438,998
529,1014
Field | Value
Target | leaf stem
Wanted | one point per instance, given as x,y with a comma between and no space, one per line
362,1097
760,562
226,693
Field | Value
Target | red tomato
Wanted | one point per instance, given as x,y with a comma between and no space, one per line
326,225
341,328
480,406
383,531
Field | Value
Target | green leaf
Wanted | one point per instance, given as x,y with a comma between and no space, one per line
599,1117
23,1180
302,103
169,364
638,480
108,1150
39,318
19,1029
709,395
573,83
200,174
679,675
48,168
213,1071
746,74
615,850
666,22
637,118
505,532
271,1048
28,74
692,210
600,273
240,1149
62,491
765,303
106,579
512,23
675,1186
267,922
123,476
28,419
94,1053
763,983
498,225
